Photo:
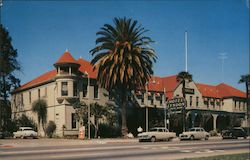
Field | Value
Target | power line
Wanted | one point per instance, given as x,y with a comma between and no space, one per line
222,57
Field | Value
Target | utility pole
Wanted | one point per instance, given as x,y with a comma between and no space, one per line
222,56
1,4
186,51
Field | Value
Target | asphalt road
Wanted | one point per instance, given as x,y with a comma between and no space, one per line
120,150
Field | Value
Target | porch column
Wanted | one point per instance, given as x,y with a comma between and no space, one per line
193,116
214,121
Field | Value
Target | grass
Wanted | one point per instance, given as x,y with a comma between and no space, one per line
242,156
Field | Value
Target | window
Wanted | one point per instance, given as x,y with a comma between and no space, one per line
39,94
85,90
64,91
73,120
74,89
142,99
30,97
190,100
96,92
21,99
45,92
235,104
197,101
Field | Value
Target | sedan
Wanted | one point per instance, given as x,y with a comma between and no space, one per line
194,133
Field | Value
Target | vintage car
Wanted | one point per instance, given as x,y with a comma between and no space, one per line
194,133
156,134
234,133
25,132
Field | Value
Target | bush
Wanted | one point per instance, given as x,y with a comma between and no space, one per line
50,129
25,121
108,131
213,133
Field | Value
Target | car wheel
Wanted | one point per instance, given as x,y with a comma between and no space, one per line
245,137
192,137
153,139
206,138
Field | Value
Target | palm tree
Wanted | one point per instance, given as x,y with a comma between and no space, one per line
123,59
246,79
181,78
40,108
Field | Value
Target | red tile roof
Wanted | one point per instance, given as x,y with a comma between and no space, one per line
39,80
220,91
66,58
86,66
155,83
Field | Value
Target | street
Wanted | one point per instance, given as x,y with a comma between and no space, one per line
115,149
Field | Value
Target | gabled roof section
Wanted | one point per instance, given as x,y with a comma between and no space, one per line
220,91
66,58
41,79
229,91
155,84
87,67
208,90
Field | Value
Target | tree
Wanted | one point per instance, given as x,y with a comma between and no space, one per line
100,112
246,79
40,108
123,59
181,78
8,81
50,129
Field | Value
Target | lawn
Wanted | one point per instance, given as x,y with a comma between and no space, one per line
242,156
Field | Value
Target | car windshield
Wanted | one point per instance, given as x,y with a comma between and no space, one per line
153,129
192,129
28,129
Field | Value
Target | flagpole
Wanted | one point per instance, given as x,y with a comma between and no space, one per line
186,52
1,4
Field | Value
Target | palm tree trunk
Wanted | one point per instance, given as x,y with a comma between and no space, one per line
124,117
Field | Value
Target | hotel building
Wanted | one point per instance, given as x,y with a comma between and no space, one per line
75,79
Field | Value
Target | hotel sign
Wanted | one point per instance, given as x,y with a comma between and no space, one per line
176,103
189,91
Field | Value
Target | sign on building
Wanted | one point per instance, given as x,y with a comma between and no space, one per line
176,104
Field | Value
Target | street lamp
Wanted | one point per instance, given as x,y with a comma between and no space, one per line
146,107
165,109
88,88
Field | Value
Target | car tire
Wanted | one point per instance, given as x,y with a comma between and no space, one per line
191,137
206,138
153,139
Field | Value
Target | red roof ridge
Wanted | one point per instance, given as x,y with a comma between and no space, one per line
40,79
66,58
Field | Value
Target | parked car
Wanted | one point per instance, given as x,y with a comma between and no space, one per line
234,133
156,134
194,133
25,132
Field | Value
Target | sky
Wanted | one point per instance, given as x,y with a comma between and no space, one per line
41,31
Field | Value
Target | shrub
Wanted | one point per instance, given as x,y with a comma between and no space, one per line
25,121
213,133
50,129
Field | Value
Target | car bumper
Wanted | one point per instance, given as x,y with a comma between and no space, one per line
184,137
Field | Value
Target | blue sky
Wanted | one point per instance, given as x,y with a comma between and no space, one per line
42,30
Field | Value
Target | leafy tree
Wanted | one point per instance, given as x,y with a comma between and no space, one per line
50,129
124,60
40,108
8,81
182,77
101,113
